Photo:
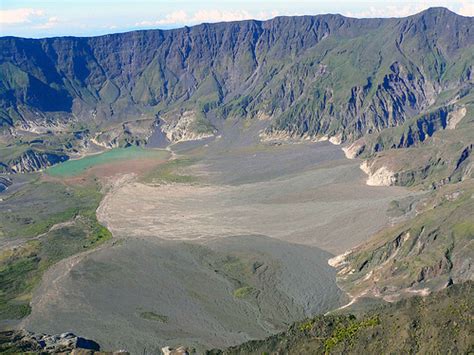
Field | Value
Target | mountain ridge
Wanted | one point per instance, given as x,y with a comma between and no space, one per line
288,69
397,93
426,11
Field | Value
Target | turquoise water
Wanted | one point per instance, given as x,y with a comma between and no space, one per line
75,167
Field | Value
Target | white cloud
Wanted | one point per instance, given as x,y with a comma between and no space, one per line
32,18
50,23
174,17
181,17
462,7
220,16
19,16
466,8
265,15
388,11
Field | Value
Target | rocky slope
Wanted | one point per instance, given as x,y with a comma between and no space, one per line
4,183
429,245
440,323
22,341
424,253
308,76
431,149
396,92
31,160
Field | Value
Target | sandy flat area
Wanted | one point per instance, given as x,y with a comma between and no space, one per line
236,256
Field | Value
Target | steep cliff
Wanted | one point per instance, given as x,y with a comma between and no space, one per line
325,75
31,160
430,149
424,253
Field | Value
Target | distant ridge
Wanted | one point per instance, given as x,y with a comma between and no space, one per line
309,76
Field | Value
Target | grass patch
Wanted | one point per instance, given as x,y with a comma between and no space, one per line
33,211
307,325
154,317
243,292
240,269
347,332
171,172
439,235
464,229
437,324
17,276
202,126
21,268
39,205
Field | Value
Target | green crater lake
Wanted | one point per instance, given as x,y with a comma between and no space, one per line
75,167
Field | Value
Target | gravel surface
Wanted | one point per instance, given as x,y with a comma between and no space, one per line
263,220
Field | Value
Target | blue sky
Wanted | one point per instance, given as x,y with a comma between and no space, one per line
44,18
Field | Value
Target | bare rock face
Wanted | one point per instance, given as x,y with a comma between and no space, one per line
178,351
186,127
126,134
4,183
355,149
415,131
456,116
281,69
25,341
420,255
285,71
32,160
379,177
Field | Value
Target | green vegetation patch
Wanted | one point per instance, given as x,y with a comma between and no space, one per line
21,268
39,205
17,270
464,229
421,249
171,172
439,323
346,331
239,268
202,126
50,222
243,292
154,317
